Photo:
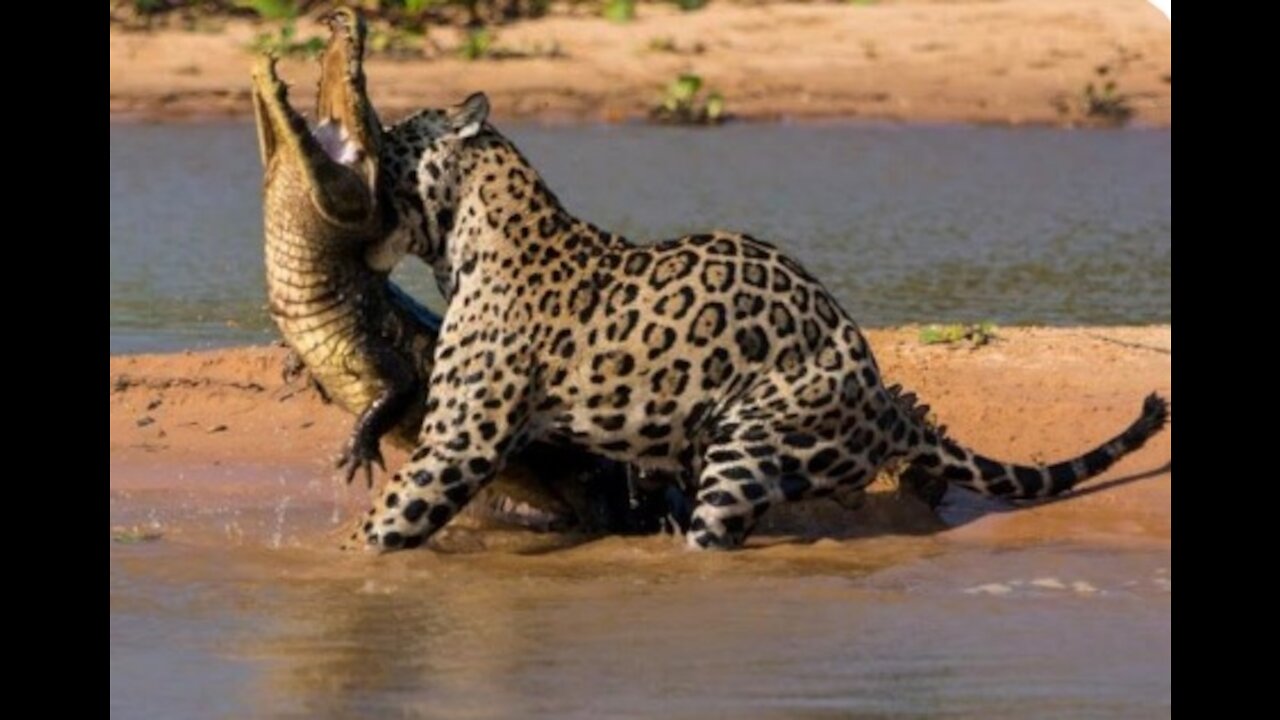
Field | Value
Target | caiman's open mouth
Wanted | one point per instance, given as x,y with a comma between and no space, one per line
339,158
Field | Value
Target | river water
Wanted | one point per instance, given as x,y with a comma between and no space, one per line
243,608
904,224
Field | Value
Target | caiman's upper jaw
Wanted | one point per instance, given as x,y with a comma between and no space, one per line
346,124
343,192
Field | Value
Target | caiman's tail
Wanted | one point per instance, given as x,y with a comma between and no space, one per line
939,456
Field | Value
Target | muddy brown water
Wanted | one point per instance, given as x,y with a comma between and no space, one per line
237,606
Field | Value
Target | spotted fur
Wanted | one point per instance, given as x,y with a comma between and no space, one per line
714,357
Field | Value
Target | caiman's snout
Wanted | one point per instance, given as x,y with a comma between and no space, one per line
337,162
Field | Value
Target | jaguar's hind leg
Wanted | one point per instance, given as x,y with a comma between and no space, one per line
743,478
727,509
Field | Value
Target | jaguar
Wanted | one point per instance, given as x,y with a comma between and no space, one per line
715,359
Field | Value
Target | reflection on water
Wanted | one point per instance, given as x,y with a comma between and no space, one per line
905,224
213,621
477,636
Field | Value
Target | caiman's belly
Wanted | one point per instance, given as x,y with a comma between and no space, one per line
330,341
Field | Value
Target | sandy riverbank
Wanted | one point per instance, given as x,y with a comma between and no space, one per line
987,61
221,426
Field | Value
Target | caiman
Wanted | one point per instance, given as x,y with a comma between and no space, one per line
365,342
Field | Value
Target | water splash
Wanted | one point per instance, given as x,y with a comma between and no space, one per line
277,536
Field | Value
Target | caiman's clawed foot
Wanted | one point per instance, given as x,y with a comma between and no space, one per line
362,451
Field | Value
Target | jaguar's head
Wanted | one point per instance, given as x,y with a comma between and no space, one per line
426,161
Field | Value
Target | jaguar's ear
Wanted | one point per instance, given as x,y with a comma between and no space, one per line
467,118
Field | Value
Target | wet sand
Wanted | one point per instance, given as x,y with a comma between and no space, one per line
225,515
1035,394
987,61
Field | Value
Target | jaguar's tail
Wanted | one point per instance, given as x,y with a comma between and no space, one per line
939,456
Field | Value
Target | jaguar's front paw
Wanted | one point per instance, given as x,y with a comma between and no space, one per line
380,534
388,540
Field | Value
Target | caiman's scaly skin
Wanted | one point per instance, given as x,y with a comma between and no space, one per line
358,339
368,345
